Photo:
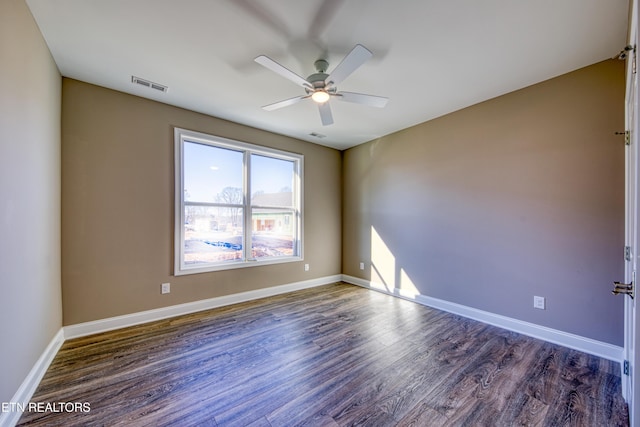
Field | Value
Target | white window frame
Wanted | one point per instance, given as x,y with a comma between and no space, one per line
183,135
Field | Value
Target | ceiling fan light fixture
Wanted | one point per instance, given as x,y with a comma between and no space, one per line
321,87
320,96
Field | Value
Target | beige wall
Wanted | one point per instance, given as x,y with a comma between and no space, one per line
30,300
518,196
117,206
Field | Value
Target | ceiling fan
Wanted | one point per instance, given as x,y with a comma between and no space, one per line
320,86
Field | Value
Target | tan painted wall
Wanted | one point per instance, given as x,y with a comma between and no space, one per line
30,298
117,206
518,196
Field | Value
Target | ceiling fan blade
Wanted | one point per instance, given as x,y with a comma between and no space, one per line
284,103
354,59
325,114
361,98
263,16
269,63
323,17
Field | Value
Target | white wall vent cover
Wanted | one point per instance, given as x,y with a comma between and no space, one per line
149,84
317,135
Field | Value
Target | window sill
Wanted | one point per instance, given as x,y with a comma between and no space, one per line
234,265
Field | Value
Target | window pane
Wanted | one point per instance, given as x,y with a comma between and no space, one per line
208,171
273,233
271,181
212,234
235,203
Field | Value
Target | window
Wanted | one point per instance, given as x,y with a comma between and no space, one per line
237,204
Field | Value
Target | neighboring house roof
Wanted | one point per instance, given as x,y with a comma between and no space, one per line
284,199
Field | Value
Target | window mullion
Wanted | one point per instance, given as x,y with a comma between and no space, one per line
214,205
299,200
247,207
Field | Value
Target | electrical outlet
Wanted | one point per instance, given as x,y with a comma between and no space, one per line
306,267
362,266
538,302
165,288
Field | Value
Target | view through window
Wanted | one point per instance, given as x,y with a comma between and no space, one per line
237,204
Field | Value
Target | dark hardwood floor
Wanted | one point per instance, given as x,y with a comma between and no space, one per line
336,355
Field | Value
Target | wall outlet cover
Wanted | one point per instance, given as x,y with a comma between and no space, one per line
165,288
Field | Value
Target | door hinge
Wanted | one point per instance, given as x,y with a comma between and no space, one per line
623,55
623,288
627,253
627,136
625,367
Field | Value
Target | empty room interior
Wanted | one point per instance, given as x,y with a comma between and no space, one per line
192,235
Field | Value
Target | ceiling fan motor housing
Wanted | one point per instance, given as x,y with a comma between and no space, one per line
317,80
321,65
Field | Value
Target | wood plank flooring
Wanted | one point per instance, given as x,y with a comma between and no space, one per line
336,355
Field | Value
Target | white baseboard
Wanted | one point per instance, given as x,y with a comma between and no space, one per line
30,383
576,342
109,324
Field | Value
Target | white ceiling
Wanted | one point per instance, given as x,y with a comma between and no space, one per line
431,57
